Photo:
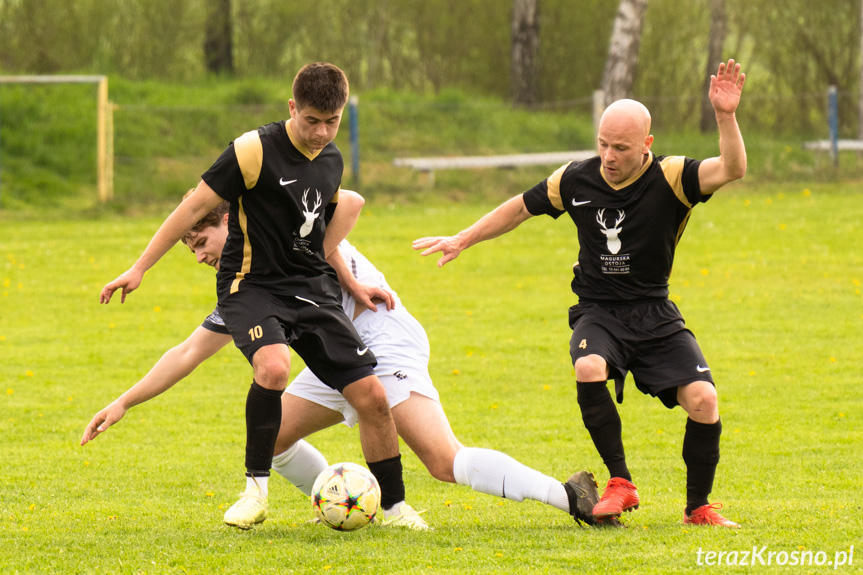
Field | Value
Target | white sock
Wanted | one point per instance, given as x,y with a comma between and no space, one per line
257,485
394,510
498,474
300,464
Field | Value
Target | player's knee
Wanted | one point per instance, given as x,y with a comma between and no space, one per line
439,460
272,375
369,398
272,367
591,368
700,401
441,469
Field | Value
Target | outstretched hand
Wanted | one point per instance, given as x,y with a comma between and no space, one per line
447,245
128,281
102,421
726,87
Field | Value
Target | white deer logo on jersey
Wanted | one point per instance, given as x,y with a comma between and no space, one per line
611,234
311,215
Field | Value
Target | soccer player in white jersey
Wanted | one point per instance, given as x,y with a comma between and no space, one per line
400,344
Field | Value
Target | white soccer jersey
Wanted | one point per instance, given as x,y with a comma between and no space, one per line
365,272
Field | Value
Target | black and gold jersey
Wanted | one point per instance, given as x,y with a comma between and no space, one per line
627,233
281,198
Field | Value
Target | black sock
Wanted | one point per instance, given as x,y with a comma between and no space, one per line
601,419
263,418
389,475
701,456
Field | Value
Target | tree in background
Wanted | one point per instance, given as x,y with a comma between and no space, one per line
622,62
797,47
715,43
218,37
525,46
860,85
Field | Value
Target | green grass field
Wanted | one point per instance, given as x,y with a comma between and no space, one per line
768,277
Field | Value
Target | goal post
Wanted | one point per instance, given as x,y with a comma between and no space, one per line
104,124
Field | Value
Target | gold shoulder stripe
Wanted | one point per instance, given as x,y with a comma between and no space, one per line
672,168
250,156
335,199
553,183
247,249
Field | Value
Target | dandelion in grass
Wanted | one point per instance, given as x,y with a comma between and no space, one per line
29,373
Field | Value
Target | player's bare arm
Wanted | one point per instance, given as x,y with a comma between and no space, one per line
499,221
172,367
367,296
726,88
344,219
171,231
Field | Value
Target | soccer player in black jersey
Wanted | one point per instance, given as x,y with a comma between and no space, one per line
630,208
274,283
308,405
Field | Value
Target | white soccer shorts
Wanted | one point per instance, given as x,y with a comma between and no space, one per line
402,348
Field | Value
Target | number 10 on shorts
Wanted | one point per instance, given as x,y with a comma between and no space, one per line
256,332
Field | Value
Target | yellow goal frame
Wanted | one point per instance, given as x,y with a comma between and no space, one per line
104,124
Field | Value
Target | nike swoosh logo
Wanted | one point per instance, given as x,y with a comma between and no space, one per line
576,204
579,490
700,369
284,183
363,352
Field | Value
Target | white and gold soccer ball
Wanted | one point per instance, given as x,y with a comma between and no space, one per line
346,496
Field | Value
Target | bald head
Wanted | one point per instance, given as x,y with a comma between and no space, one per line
623,140
629,115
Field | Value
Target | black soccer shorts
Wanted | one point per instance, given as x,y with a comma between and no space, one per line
319,331
649,339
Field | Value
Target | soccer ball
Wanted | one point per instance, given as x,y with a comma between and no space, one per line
346,496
